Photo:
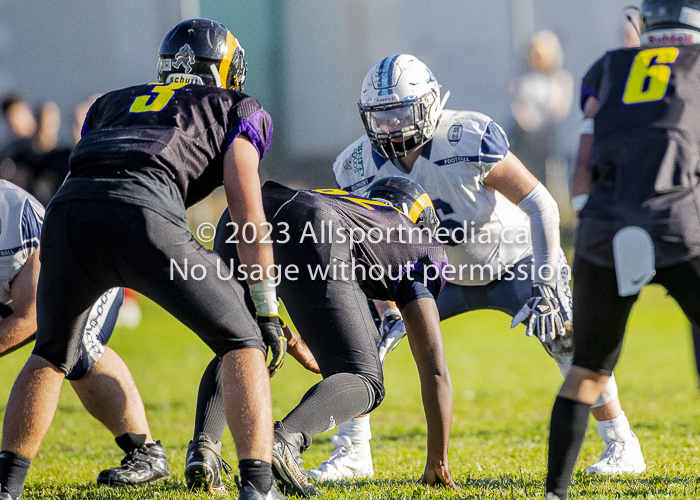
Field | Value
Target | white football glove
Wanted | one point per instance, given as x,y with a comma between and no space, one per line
392,331
544,312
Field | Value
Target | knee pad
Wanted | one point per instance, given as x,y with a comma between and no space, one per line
609,392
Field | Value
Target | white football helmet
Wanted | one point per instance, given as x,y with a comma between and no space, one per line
400,105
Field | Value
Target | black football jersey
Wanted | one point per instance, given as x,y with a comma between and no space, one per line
646,152
182,130
386,245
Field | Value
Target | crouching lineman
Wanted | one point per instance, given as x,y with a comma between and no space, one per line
147,153
494,214
100,378
334,320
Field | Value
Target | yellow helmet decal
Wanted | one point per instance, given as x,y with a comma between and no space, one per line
419,205
231,46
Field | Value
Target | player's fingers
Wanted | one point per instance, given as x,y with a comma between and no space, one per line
520,317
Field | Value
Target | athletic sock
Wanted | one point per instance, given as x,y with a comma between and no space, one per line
357,429
130,441
256,473
13,472
335,399
210,417
566,431
617,429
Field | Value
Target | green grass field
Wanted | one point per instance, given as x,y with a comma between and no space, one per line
504,385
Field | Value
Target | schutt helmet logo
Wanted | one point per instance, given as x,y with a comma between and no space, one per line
184,58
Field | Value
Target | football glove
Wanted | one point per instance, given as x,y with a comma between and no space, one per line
544,313
392,330
274,339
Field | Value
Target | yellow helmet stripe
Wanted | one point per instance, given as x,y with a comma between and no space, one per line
419,205
231,45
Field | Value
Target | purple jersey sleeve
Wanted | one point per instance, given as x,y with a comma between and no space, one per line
255,123
590,82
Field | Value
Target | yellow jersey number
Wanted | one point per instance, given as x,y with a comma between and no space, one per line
650,75
159,97
367,203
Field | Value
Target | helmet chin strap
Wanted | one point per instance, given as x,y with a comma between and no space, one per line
215,73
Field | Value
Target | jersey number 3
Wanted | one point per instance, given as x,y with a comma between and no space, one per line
157,99
650,75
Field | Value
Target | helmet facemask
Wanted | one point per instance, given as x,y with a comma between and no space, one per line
398,129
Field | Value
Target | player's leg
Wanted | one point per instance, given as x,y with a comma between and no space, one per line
352,453
108,392
189,281
622,452
601,317
344,345
61,318
204,464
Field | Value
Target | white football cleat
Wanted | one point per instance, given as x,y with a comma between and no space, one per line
620,457
348,460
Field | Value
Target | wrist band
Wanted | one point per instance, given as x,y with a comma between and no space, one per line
264,297
586,127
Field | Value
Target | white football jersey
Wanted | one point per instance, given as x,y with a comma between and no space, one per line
21,218
466,146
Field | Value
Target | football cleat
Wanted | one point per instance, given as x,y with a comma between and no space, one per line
348,460
287,463
248,492
146,464
4,495
620,457
204,464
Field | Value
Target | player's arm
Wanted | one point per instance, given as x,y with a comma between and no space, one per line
425,338
543,311
583,178
19,328
244,198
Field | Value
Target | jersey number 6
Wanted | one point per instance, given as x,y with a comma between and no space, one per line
650,75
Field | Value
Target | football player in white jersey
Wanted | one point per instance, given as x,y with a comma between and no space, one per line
100,378
500,227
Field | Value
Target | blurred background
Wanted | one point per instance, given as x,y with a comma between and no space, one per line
306,62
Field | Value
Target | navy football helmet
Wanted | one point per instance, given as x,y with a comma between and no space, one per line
408,197
202,51
670,15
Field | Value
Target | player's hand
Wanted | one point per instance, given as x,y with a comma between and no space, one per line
392,330
544,313
439,476
271,330
298,349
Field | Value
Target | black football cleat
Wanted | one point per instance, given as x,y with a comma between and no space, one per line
146,464
204,465
248,492
287,463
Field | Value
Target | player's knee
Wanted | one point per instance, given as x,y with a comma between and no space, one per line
375,387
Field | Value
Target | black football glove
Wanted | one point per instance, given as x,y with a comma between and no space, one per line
273,336
544,313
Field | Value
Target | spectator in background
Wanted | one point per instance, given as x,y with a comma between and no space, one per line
541,99
17,152
50,165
